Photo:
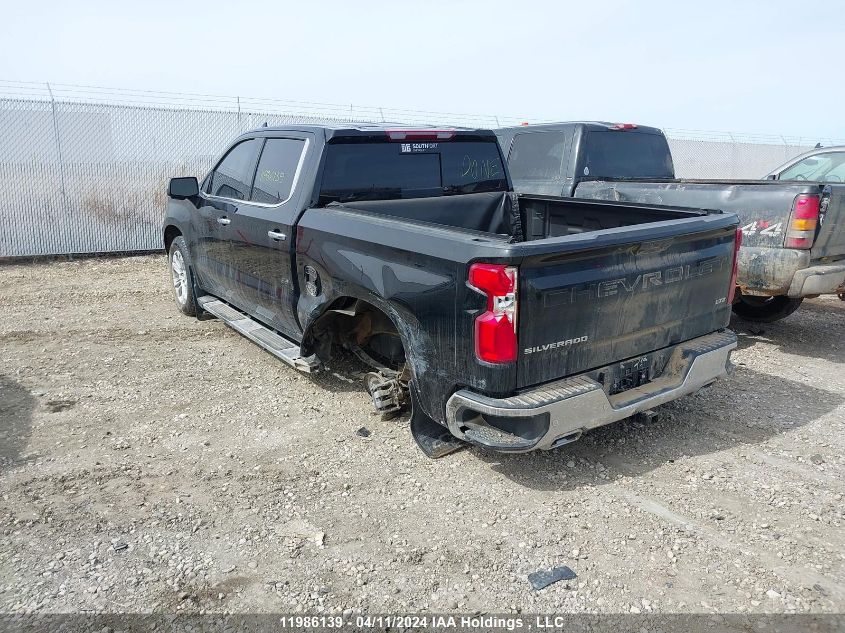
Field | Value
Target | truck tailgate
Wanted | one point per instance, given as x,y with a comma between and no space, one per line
622,294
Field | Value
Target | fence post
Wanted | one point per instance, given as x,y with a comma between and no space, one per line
58,141
785,147
734,161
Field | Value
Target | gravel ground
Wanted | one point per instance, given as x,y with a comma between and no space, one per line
153,462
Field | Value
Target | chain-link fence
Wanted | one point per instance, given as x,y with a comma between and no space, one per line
726,158
90,177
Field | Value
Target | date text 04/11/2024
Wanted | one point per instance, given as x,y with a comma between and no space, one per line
435,622
438,622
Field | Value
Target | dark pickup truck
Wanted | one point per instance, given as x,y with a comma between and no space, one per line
793,243
515,322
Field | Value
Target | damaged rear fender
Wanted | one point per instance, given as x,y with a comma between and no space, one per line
769,271
353,318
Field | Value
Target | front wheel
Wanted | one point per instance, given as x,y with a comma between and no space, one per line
180,273
765,309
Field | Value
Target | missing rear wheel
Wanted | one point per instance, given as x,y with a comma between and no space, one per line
389,391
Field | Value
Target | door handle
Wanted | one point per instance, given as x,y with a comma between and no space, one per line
277,236
224,221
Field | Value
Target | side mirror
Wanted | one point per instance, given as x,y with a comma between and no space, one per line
772,177
181,188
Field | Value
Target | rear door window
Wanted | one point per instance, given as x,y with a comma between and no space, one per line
538,156
232,178
277,167
356,170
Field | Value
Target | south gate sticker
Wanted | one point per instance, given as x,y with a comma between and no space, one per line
418,148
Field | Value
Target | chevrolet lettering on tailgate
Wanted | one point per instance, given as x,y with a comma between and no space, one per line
634,283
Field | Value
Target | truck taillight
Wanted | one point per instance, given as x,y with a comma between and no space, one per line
732,288
495,330
803,221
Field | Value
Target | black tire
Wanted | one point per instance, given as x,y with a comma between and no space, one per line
765,309
181,276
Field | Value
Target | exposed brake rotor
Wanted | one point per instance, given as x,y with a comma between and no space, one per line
389,390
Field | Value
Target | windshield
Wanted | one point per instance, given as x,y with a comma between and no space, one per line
625,154
393,170
829,167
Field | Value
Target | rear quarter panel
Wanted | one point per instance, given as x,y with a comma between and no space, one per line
416,273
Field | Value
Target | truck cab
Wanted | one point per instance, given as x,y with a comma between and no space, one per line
553,159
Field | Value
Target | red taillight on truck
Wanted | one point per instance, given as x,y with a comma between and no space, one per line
803,221
732,288
495,330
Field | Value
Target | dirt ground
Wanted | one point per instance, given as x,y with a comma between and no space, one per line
153,462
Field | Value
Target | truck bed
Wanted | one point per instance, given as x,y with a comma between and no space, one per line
763,206
599,282
641,279
550,216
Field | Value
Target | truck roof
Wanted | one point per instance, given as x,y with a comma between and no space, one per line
595,125
345,128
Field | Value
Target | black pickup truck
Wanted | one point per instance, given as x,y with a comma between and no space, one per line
793,243
515,322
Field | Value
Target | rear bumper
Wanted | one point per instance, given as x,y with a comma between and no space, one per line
769,271
786,271
818,280
557,413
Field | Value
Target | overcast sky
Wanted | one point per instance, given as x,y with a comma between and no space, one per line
755,67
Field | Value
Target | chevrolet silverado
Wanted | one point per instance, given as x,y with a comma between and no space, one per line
515,322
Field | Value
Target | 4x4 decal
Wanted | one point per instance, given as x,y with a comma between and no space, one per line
763,227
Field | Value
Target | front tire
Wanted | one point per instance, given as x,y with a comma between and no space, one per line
765,309
180,275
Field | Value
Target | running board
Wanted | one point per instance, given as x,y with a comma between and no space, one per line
280,347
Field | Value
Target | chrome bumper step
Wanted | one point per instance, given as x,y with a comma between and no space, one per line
280,347
574,405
